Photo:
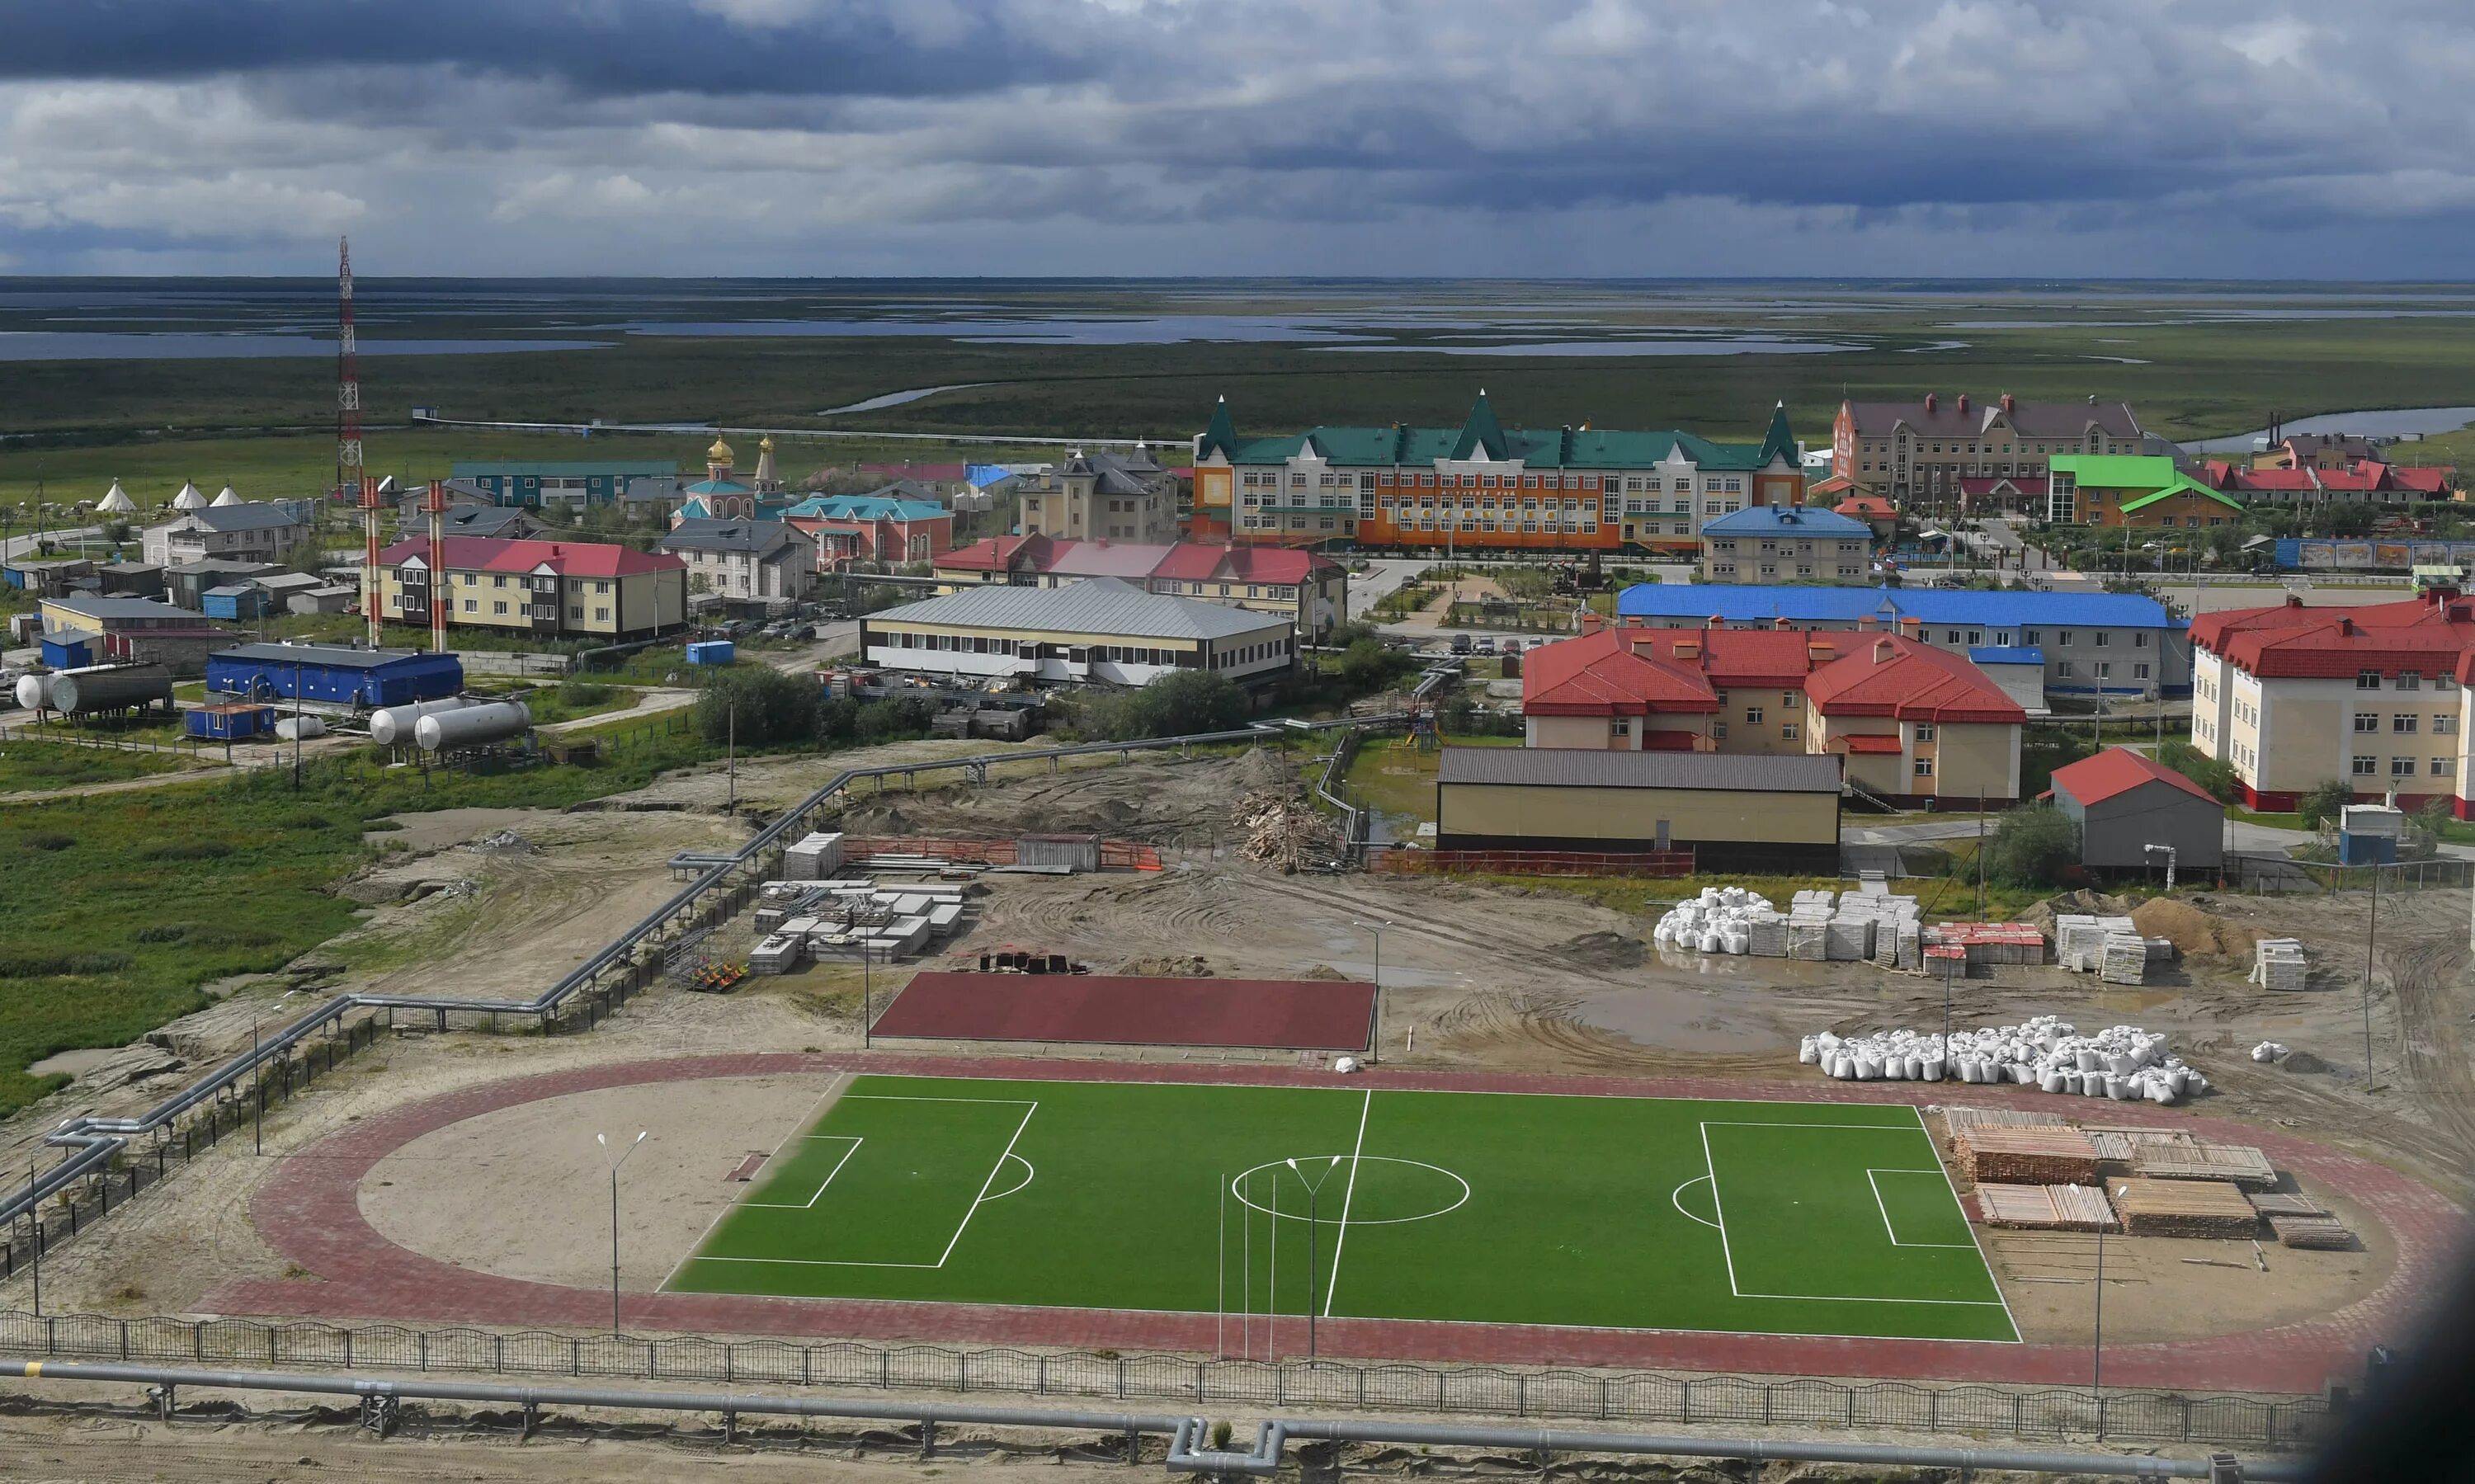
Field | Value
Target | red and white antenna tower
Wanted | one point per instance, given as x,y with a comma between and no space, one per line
351,482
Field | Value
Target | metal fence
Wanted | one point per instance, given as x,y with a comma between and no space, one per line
2267,872
1599,1396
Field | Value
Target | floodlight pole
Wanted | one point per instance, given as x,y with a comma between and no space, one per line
2371,940
604,1141
1314,1190
2096,1345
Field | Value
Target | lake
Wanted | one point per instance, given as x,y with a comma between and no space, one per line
2389,423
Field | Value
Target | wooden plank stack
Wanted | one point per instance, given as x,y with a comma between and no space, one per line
1958,1119
2241,1163
2047,1207
2185,1208
2286,1204
2326,1234
2026,1156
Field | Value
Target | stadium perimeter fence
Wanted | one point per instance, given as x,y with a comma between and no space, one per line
1983,1411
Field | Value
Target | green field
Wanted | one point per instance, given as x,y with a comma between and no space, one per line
1780,1218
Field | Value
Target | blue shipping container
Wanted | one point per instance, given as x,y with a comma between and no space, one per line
713,652
2366,849
231,722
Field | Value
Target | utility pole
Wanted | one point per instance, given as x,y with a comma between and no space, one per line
36,1211
2371,938
1980,881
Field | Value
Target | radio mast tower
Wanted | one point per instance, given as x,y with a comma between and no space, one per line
351,482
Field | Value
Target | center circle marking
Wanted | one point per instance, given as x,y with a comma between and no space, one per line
1237,1187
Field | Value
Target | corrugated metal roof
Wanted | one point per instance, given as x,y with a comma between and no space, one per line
1575,767
1812,520
2006,654
2093,780
2005,609
331,656
1102,605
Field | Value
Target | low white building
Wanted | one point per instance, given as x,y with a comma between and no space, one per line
1100,630
260,531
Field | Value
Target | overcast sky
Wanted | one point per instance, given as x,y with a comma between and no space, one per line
1566,138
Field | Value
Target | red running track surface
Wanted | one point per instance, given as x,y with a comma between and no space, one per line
1286,1014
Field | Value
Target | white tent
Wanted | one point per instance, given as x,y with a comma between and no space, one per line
188,499
227,497
117,501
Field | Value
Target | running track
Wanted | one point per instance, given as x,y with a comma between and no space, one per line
309,1210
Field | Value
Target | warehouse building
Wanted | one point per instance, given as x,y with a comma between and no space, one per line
1101,630
2126,801
1736,813
1312,589
2117,644
334,673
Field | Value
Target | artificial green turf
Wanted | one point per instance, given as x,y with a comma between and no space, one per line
1827,1219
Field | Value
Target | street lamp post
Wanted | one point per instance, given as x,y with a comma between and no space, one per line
1313,1189
604,1141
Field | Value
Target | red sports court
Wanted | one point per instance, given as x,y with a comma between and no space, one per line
1281,1014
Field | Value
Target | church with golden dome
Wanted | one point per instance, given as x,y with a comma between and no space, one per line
723,496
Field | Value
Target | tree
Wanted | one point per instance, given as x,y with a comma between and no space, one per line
2325,801
2214,774
2032,846
1174,705
896,718
759,704
1368,665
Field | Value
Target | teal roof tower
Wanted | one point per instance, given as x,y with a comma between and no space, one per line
1778,441
1481,431
1221,437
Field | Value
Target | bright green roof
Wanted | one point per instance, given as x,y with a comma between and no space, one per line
2116,471
2184,484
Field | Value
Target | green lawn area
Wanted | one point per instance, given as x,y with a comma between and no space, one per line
1786,1218
26,766
575,699
1394,777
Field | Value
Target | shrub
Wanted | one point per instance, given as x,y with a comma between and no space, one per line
2325,801
896,718
35,965
187,850
759,704
2032,846
1174,705
2214,774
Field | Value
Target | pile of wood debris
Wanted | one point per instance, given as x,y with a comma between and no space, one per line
1283,830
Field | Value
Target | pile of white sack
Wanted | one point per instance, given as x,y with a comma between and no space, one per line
1720,920
2267,1051
2122,1062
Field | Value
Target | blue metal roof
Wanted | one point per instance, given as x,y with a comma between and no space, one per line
2006,654
1787,521
2006,608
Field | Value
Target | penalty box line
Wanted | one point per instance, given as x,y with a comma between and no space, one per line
1029,1105
1726,1248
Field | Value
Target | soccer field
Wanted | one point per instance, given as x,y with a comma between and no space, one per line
1778,1218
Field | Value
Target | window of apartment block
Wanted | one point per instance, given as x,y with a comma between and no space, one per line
2404,721
2062,670
1787,731
2140,671
1719,729
2365,768
1789,700
1621,726
2444,724
1922,732
2442,767
2368,722
1924,768
2409,680
1753,715
2443,683
2028,637
2401,767
2062,636
2368,680
2104,670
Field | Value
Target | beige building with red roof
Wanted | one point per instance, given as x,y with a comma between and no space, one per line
1913,724
1311,589
2292,697
547,589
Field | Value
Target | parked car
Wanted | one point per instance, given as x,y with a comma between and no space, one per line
1460,643
1486,646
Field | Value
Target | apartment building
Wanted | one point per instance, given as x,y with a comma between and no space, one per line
2139,492
1483,487
550,589
2114,645
1785,544
1313,590
898,524
744,558
1107,497
570,484
2362,482
2292,697
1912,723
1921,454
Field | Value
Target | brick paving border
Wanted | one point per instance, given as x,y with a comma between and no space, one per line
310,1211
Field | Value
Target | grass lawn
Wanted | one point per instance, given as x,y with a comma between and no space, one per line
575,699
1784,1217
26,766
1392,776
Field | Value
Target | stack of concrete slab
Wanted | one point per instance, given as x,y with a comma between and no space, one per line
1848,936
814,858
1766,935
1808,926
1990,942
2079,939
2123,959
2278,963
778,953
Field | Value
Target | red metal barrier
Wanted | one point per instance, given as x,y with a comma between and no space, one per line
1116,855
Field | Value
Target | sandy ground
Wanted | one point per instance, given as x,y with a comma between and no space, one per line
1476,977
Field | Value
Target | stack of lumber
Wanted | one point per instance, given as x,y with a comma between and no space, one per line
2286,1203
1961,1119
2026,1156
2241,1165
1285,831
2047,1207
2185,1208
2117,1144
2277,963
2325,1232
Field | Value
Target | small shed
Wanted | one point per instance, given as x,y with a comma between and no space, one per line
335,600
231,721
237,601
130,579
71,648
2126,801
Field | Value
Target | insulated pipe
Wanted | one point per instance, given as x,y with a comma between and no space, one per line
431,1388
1763,1449
94,1141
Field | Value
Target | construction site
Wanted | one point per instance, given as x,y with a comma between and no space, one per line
731,958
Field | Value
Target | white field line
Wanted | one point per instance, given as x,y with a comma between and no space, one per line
982,1198
810,1204
1675,1199
1880,1206
1997,1283
823,1100
1710,1169
1347,1196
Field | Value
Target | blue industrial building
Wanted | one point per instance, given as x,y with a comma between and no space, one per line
237,601
570,482
70,649
334,672
231,721
2119,643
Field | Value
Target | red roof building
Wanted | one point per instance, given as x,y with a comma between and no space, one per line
546,587
2136,815
2361,482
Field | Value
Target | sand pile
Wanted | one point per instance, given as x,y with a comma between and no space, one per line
2195,932
2092,904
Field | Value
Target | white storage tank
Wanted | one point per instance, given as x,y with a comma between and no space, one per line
35,692
472,726
393,725
300,728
